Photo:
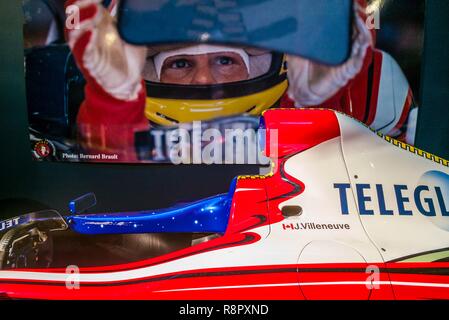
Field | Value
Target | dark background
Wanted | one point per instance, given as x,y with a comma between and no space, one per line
401,34
124,187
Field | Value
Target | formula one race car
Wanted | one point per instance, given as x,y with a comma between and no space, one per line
345,214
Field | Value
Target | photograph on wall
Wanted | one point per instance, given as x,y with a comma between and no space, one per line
185,82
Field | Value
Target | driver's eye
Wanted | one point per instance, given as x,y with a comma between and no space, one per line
223,60
180,64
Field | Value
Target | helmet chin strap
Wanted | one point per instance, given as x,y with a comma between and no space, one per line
160,58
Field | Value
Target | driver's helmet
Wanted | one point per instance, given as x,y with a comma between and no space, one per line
188,82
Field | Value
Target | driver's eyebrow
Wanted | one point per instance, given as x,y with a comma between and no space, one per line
215,54
184,56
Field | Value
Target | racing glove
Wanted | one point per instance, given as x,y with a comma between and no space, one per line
310,83
113,109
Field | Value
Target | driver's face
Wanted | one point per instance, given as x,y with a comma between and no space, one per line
210,68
